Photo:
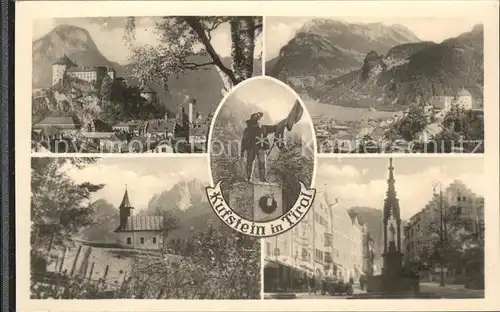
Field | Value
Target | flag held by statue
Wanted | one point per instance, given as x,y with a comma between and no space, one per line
293,117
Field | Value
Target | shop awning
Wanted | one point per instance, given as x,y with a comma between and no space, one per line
271,264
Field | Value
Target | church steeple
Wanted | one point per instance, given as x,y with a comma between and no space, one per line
125,201
392,213
125,209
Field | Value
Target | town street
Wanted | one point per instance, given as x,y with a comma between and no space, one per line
446,292
451,291
318,295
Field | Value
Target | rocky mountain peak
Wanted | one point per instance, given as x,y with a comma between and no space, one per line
373,62
181,196
478,28
72,32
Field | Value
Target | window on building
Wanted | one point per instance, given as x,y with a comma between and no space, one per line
142,240
268,248
328,257
154,240
305,255
129,241
319,255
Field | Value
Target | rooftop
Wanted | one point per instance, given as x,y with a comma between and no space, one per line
62,122
125,201
142,223
147,89
65,60
99,135
159,125
464,92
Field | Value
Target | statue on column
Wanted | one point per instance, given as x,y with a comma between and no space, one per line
392,239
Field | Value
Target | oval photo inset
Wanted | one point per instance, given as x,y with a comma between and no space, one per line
262,158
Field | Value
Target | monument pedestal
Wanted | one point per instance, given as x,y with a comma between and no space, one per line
393,283
392,273
257,201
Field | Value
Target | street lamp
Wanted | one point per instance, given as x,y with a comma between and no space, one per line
442,230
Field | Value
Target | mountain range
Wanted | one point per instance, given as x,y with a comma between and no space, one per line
186,201
389,69
373,219
203,85
325,48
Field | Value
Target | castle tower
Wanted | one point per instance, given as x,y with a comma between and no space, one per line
192,111
125,209
111,73
60,67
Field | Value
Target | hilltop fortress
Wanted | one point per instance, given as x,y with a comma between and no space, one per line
65,66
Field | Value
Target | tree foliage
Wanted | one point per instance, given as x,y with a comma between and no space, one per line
60,206
413,123
220,265
451,243
290,167
183,37
467,123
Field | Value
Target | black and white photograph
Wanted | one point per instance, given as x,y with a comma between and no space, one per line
383,228
262,148
402,85
136,84
133,228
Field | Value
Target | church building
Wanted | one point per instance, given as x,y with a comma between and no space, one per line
138,232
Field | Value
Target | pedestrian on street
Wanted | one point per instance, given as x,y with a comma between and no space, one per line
312,286
362,282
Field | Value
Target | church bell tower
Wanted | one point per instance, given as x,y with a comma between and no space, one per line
125,210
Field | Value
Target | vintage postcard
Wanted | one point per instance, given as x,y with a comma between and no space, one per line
263,155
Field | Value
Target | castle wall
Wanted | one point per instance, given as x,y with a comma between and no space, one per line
57,73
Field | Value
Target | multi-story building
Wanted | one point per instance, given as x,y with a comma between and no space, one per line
327,242
460,206
347,249
66,67
462,99
368,254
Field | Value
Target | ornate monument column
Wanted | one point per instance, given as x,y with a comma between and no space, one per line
392,215
392,255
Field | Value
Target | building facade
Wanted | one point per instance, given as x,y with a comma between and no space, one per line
138,232
457,201
66,67
462,99
326,243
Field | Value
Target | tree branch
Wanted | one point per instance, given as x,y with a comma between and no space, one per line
189,65
195,24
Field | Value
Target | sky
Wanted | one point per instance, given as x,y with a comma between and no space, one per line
143,177
280,30
363,181
271,96
107,33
